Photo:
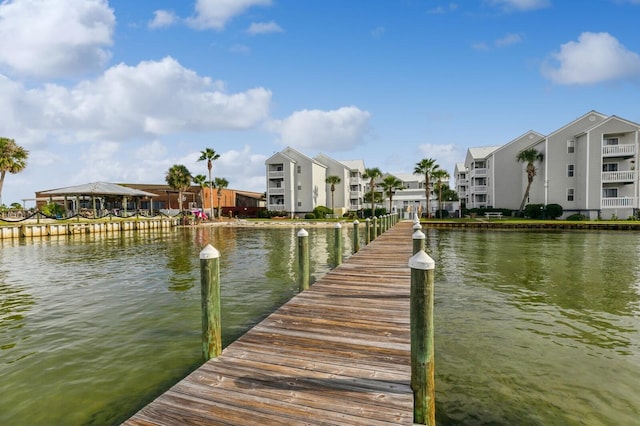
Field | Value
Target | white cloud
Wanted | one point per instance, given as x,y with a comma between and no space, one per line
162,19
446,155
336,130
441,10
508,40
594,58
216,13
520,5
55,38
126,102
264,28
378,32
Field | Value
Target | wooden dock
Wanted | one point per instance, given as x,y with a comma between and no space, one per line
336,354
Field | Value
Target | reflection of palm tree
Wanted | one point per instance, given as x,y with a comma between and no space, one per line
372,174
179,178
389,186
333,181
426,167
210,155
220,183
13,159
439,175
529,156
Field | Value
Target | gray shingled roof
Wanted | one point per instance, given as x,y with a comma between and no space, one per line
99,188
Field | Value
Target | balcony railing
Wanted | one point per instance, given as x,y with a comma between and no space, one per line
461,182
275,191
625,176
479,189
355,181
477,172
276,207
618,202
279,174
625,150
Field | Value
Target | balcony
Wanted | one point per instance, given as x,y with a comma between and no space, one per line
276,207
625,150
613,202
355,181
477,172
277,174
461,182
479,189
355,194
275,191
625,176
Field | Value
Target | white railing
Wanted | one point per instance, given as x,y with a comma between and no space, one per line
618,150
626,176
355,181
617,202
461,182
479,189
355,194
276,207
279,174
477,172
276,191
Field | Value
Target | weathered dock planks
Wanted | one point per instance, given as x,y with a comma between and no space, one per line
336,354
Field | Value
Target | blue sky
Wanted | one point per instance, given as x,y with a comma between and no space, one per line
121,90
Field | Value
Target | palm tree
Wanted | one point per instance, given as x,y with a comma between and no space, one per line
333,181
13,159
529,156
220,184
439,175
202,182
372,174
426,167
179,178
389,186
210,155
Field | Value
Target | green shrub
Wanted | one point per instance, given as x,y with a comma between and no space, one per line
321,212
309,216
441,214
52,210
577,217
553,211
534,211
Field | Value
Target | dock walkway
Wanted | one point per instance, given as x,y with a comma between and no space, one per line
335,354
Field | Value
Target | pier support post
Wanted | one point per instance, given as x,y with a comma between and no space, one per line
422,330
367,231
379,228
418,241
210,290
337,233
303,260
374,228
356,236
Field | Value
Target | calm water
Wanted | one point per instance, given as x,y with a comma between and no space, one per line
531,328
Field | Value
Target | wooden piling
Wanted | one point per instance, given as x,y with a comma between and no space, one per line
210,289
337,234
367,231
418,241
374,228
422,351
303,260
356,236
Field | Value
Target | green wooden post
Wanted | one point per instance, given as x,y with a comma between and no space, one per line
210,290
356,236
379,228
418,241
374,228
303,260
367,231
337,233
422,351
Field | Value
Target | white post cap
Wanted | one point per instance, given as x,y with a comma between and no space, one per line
418,235
303,233
422,261
209,252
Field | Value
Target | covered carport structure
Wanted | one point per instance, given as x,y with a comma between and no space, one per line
103,196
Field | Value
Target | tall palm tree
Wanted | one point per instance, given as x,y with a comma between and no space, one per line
179,178
438,176
389,186
372,174
202,182
426,167
13,159
528,156
333,181
220,183
210,155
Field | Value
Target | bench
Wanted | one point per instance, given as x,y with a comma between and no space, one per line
493,215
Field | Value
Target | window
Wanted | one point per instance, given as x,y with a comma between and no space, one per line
571,146
610,167
570,170
611,141
570,194
299,187
299,169
299,203
609,192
